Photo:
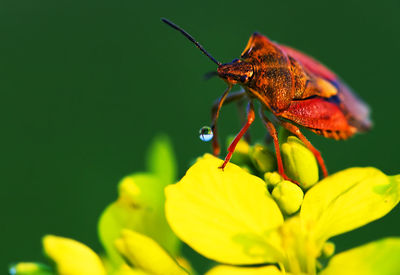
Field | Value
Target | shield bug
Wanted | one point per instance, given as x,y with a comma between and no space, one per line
295,88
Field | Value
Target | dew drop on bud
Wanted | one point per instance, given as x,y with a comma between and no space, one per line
206,133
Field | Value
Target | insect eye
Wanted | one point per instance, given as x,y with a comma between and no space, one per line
243,78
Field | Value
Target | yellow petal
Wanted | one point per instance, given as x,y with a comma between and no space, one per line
225,215
234,270
347,200
72,257
376,258
144,253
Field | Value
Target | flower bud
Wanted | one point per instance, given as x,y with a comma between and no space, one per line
299,162
262,158
140,190
241,154
328,249
288,196
272,179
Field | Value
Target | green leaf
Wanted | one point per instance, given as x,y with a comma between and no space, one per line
227,215
146,254
376,258
161,160
140,207
348,200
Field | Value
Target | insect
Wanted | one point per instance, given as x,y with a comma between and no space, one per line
295,88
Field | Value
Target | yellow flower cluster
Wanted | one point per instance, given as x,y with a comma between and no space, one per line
231,216
133,230
249,223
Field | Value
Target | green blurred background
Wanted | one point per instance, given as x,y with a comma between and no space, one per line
86,85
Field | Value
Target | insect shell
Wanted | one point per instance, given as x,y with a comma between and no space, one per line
298,88
295,88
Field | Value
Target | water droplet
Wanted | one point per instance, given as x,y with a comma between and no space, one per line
206,133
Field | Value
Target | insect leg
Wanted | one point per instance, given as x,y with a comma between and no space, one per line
225,98
242,116
232,146
272,131
296,131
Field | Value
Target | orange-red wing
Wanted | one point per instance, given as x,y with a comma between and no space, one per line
317,113
354,109
310,63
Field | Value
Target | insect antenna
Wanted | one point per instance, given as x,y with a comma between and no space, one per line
188,36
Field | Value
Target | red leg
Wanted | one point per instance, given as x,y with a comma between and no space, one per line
243,117
296,131
272,131
232,146
224,99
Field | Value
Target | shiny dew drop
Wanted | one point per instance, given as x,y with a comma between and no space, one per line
206,133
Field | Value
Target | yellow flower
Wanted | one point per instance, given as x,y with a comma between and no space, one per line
229,216
145,256
133,229
140,205
247,224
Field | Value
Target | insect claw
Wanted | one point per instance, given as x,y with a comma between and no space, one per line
228,157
